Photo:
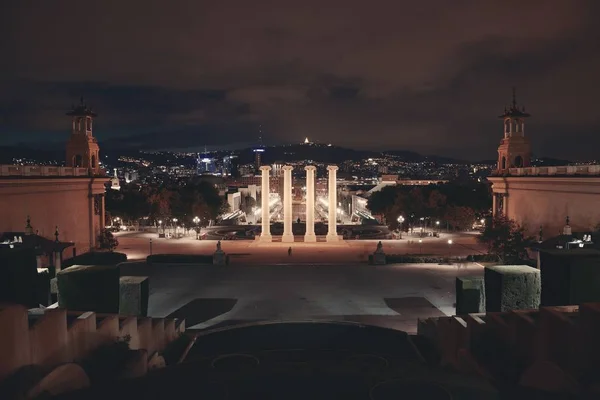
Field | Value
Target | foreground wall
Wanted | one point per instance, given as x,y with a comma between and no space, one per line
75,205
534,201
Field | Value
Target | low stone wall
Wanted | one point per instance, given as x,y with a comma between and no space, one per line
554,349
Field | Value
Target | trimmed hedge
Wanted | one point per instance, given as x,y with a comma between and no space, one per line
470,295
482,258
406,259
89,288
179,259
512,287
570,276
19,277
96,258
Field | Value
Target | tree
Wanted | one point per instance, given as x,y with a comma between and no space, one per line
460,218
106,240
436,203
507,240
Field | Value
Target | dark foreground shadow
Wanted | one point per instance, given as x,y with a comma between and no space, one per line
201,310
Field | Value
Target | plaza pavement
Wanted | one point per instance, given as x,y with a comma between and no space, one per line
320,281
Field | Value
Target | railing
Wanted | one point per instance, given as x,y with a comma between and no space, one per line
551,171
43,170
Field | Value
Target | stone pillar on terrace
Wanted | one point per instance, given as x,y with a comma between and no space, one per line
332,194
310,236
288,235
265,235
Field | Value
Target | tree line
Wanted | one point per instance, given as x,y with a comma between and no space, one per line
455,205
196,199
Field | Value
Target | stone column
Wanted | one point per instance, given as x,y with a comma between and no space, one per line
310,236
332,194
102,213
288,235
505,205
494,205
265,235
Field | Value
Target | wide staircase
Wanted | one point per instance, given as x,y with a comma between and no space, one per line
52,350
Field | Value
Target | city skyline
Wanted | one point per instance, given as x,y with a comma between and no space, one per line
425,78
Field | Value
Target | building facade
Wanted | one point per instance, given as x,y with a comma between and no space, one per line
541,198
69,198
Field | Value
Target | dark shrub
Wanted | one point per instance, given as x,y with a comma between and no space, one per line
107,362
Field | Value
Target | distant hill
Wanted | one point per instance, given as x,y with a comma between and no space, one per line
285,153
8,153
334,154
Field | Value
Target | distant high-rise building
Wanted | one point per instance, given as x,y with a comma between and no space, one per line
205,163
258,151
228,162
515,149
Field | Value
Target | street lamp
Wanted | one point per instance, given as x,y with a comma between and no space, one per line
197,221
449,249
421,246
401,221
175,226
160,226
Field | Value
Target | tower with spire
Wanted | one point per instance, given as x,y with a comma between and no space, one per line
515,149
82,147
258,150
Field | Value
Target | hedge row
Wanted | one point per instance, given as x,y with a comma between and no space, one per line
179,259
483,258
409,259
96,258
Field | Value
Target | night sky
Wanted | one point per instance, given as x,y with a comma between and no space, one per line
429,76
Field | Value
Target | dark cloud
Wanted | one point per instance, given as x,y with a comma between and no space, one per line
427,76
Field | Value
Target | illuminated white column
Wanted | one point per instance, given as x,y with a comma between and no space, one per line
332,194
288,235
265,235
310,236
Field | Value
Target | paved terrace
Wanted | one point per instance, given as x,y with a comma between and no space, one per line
319,281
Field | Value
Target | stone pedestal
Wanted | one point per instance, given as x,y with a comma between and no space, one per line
511,287
265,235
379,258
134,292
379,255
219,257
310,236
288,235
332,235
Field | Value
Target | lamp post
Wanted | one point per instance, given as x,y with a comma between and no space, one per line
175,226
197,221
401,221
160,226
449,249
421,246
437,226
150,246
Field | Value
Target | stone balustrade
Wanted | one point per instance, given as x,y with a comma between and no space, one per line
44,171
567,170
56,336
